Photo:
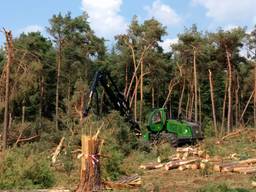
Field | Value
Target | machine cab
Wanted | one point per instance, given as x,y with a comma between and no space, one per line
157,120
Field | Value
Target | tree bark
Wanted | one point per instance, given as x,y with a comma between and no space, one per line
228,55
153,97
9,48
213,103
254,99
237,99
224,108
141,89
59,61
181,98
195,85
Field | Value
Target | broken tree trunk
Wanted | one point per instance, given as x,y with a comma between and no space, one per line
90,179
57,151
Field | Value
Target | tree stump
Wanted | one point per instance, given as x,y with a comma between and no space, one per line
90,179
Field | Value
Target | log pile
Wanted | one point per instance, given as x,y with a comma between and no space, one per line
127,182
196,158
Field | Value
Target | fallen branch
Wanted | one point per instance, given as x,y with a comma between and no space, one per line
27,139
57,151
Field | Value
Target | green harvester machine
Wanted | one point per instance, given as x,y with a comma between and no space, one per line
174,131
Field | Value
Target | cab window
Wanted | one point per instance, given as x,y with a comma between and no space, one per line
156,117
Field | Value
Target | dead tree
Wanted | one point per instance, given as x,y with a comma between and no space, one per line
213,104
9,49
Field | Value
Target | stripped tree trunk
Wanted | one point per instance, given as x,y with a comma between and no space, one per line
213,103
237,99
224,108
153,97
195,85
254,99
141,89
181,97
228,55
59,61
9,48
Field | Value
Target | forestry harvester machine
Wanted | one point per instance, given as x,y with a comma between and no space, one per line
159,126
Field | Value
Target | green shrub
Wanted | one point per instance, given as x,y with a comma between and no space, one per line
21,170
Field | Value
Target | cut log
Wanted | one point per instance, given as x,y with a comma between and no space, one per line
246,170
182,168
195,166
176,164
57,151
202,165
151,166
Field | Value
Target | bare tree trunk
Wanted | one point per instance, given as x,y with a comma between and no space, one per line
200,106
237,99
195,85
9,48
228,55
126,78
190,114
141,89
224,107
153,97
181,98
41,101
170,88
254,99
23,114
213,103
187,105
246,106
135,100
59,61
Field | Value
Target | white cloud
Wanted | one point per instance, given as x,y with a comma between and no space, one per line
166,44
164,13
31,28
104,17
229,10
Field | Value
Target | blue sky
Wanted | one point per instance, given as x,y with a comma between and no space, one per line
111,17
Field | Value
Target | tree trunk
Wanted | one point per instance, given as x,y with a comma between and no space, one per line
135,100
90,179
213,103
237,99
153,97
200,106
254,99
224,108
9,48
126,78
41,101
228,55
181,98
195,85
187,105
141,90
59,61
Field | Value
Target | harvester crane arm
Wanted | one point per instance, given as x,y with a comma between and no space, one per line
115,97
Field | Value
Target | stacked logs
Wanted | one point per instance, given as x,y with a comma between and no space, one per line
195,158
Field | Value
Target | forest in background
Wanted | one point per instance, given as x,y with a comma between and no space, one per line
204,78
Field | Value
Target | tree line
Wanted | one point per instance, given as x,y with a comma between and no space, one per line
204,78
